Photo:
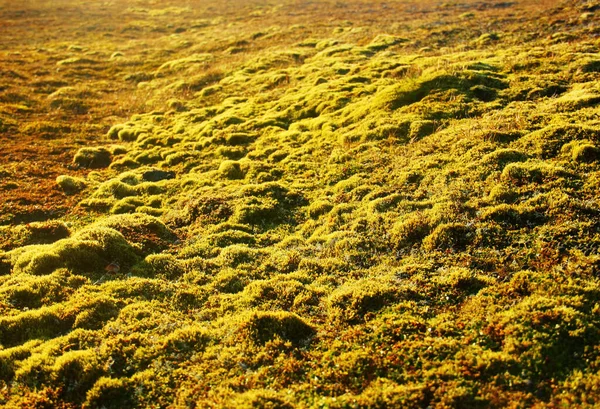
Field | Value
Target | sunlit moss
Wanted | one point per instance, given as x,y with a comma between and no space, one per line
354,219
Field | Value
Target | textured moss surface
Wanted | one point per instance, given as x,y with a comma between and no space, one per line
337,209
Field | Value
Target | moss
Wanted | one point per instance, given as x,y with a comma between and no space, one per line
231,170
239,138
164,266
92,158
383,41
229,281
513,216
70,184
127,205
429,214
410,230
420,129
261,398
486,39
233,153
548,142
578,98
142,230
352,301
77,371
531,172
450,236
110,393
5,264
503,194
229,237
43,323
237,254
156,175
483,93
591,66
498,159
261,327
585,153
319,208
41,232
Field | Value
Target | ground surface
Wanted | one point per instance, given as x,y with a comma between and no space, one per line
358,204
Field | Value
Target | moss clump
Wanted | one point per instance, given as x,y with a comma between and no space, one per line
498,159
262,398
591,66
231,152
261,327
513,216
503,194
239,138
383,41
229,237
88,251
156,175
585,153
164,266
351,302
410,231
531,172
420,129
127,205
70,185
319,208
35,233
450,236
111,393
230,169
144,231
92,158
267,204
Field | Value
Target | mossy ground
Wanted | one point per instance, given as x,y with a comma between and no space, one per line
354,204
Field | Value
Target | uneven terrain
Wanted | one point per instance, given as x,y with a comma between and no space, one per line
299,204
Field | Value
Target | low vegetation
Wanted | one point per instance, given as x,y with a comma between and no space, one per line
355,204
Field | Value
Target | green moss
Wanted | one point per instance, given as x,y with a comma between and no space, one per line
261,327
239,138
410,230
229,281
513,216
231,170
585,153
352,301
229,237
531,172
111,393
498,159
43,323
319,208
146,232
262,398
503,194
70,184
233,153
420,129
237,254
383,41
92,158
450,236
430,217
127,205
165,266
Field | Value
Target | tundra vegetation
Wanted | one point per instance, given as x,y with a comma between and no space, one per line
292,204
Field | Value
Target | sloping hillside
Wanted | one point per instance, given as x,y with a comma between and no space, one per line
300,204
